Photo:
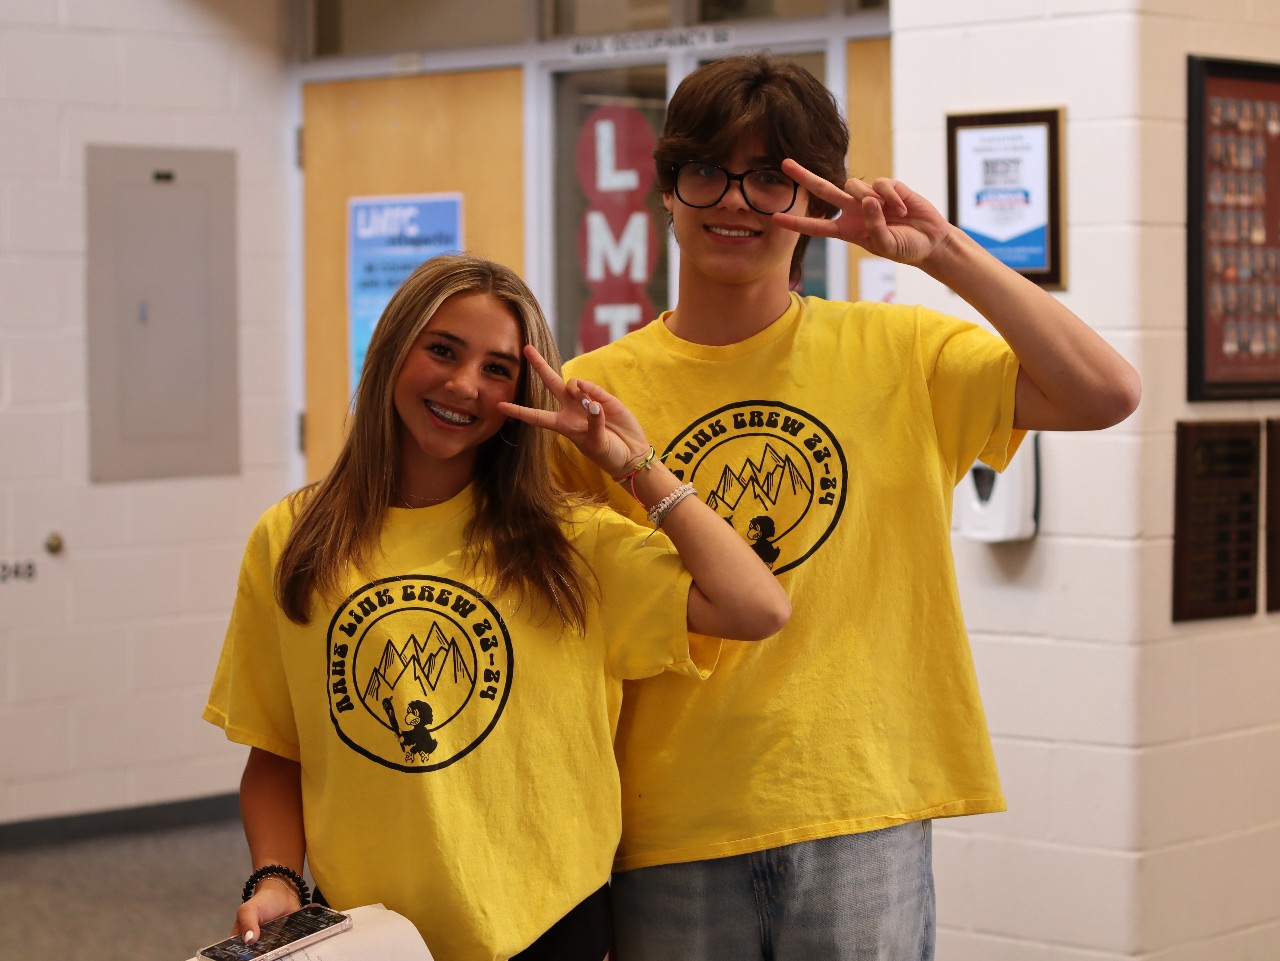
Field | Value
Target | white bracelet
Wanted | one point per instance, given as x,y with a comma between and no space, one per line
660,510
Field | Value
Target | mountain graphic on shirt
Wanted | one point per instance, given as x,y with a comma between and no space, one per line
756,488
409,671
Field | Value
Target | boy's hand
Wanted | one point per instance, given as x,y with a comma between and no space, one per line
885,218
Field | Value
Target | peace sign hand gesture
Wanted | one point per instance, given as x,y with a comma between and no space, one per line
886,217
595,421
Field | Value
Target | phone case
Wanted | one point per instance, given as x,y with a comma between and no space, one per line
281,936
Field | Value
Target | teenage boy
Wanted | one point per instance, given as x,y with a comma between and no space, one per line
783,808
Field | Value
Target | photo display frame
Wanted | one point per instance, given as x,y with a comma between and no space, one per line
1005,190
1233,229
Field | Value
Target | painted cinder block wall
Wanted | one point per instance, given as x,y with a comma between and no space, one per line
106,656
1141,758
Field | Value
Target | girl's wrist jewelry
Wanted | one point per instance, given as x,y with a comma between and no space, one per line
634,466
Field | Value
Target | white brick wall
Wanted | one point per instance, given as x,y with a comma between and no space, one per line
1141,758
106,658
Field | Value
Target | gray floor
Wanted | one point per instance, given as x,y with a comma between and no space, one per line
155,896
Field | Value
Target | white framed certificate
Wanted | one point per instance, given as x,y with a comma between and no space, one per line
1005,188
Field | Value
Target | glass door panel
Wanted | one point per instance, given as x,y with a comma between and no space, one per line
610,224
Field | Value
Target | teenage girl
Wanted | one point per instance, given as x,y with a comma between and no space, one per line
427,648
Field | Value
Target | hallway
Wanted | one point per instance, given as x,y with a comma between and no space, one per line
151,896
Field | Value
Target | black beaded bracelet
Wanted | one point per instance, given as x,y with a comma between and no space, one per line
278,870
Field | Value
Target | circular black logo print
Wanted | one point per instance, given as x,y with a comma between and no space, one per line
771,470
419,671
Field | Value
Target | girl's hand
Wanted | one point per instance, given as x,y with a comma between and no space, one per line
272,898
885,218
595,421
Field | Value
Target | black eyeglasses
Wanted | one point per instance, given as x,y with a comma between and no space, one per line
766,191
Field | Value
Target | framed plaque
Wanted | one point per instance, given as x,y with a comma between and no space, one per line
1005,188
1216,519
1233,229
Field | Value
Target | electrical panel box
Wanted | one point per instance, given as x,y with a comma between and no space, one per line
162,313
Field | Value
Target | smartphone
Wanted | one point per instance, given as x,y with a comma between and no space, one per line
281,936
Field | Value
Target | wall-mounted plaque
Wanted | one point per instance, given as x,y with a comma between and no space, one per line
1216,519
1233,229
1004,188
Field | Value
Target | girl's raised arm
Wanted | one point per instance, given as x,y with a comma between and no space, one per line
734,595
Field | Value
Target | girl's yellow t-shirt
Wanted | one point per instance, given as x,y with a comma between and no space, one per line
456,750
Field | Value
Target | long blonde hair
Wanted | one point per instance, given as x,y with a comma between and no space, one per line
518,528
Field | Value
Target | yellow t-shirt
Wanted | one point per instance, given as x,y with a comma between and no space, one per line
832,440
457,755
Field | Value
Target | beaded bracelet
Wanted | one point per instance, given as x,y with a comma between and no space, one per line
277,870
658,513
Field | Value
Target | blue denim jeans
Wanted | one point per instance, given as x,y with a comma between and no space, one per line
859,897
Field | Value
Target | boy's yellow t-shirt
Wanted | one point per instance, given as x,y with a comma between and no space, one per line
832,441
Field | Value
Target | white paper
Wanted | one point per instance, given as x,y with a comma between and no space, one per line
877,280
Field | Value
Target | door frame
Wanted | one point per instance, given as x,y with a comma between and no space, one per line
540,62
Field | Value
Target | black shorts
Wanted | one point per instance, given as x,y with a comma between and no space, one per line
584,934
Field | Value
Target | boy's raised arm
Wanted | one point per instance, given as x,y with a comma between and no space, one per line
1069,378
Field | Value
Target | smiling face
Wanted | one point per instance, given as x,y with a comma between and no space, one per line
463,363
730,243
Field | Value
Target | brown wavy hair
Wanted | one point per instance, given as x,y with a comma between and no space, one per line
518,530
721,104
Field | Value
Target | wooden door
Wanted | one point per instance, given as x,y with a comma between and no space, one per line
423,134
870,114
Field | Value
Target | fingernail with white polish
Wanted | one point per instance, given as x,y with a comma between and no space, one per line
593,408
586,403
250,937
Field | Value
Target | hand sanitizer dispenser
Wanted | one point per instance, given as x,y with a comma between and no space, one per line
1001,507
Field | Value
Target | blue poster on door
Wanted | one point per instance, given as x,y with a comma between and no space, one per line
388,237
